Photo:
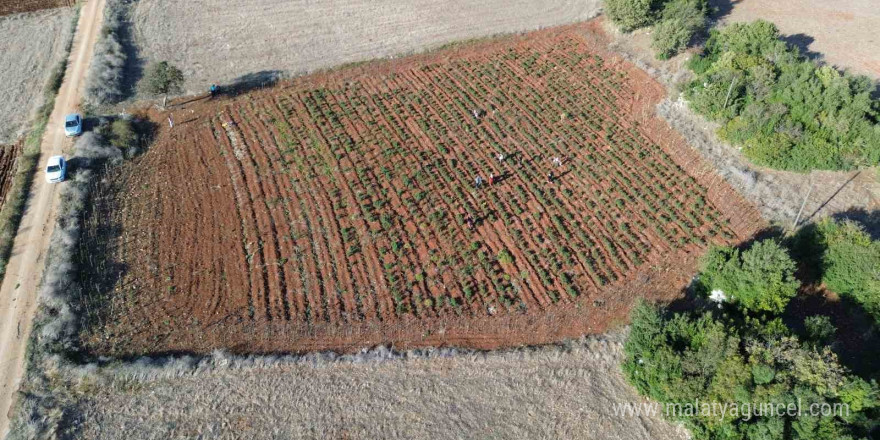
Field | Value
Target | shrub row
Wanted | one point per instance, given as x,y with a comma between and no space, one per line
105,83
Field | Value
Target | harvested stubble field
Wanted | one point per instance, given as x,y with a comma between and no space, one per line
529,394
330,212
30,46
217,41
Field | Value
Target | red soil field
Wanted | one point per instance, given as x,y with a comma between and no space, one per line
9,155
8,7
331,212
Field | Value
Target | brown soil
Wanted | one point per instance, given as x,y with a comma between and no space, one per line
9,155
8,7
329,212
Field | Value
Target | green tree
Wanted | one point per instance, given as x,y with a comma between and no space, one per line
162,78
630,14
760,279
850,263
729,359
786,111
681,20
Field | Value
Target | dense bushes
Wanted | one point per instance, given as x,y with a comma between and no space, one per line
722,359
786,112
631,14
761,279
847,261
680,21
675,21
742,354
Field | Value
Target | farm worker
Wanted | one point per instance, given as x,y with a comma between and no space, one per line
557,161
470,222
214,90
491,179
501,157
170,121
478,182
550,177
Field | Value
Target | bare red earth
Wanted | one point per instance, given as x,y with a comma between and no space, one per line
330,212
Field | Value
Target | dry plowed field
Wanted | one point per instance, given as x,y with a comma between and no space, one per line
331,212
15,6
9,155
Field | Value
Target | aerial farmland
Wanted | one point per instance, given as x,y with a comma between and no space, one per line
438,219
343,209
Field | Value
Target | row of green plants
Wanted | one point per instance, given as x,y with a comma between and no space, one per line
747,345
405,143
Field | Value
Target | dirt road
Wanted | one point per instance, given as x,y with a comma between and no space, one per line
18,294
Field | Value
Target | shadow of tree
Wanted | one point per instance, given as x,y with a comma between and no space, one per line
802,42
252,81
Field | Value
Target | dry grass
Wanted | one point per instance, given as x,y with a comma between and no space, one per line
545,393
218,41
31,45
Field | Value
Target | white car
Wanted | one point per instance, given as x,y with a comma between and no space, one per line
56,169
73,125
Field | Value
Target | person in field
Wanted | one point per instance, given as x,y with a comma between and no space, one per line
478,182
557,161
214,90
491,179
470,222
501,157
550,177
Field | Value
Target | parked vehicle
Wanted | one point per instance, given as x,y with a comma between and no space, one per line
56,169
73,125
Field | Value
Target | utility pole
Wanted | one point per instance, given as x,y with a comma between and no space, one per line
801,211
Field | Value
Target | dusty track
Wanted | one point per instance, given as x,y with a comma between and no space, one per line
18,294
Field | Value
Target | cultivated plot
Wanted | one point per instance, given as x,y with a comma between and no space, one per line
343,209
